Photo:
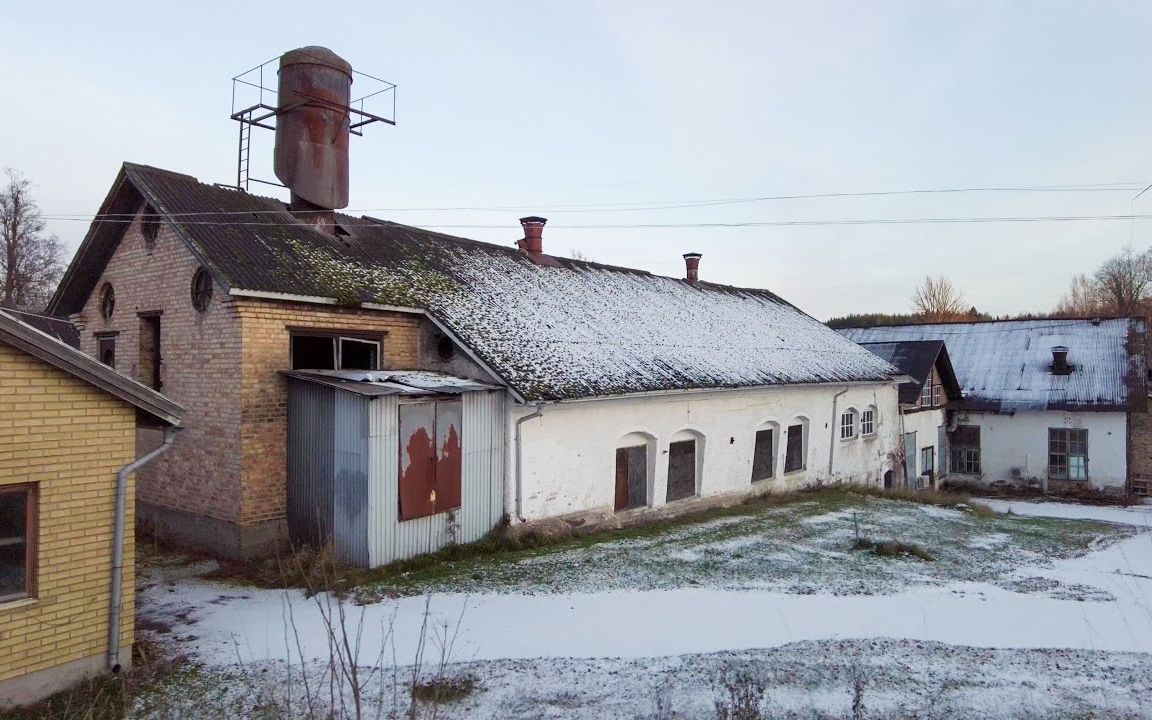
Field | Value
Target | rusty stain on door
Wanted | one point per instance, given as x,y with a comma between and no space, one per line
430,458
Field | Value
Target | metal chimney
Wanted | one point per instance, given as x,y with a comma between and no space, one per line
1060,364
312,132
533,241
692,267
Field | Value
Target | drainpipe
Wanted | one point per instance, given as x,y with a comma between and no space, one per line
520,463
835,432
118,547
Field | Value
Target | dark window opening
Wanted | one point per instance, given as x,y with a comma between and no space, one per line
631,477
150,361
201,290
928,461
107,301
106,350
445,348
430,458
149,227
681,470
17,541
1067,454
794,452
965,444
358,354
763,455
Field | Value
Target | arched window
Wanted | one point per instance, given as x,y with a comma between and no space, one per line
796,447
765,445
107,301
868,421
633,470
685,464
848,424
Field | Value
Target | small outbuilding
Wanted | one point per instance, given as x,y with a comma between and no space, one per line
386,465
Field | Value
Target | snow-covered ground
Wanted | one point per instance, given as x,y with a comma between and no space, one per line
1037,635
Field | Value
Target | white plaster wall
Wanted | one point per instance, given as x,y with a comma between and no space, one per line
1021,440
569,451
925,423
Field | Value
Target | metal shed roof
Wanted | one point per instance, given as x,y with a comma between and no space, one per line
391,382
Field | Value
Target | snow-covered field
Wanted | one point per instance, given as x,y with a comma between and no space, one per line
1033,614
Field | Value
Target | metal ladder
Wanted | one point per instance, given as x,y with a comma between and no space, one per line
244,154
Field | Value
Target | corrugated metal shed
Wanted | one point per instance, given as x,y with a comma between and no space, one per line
1006,366
345,453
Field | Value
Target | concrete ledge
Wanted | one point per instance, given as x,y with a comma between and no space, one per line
35,686
219,538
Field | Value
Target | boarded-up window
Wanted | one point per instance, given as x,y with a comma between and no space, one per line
763,455
17,541
631,477
794,452
150,361
681,470
430,458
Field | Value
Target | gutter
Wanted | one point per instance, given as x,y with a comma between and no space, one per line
835,433
115,606
520,463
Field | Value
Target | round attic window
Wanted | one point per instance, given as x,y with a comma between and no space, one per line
107,301
201,290
445,348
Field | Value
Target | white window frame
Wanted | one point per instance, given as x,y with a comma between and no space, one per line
868,422
339,349
848,429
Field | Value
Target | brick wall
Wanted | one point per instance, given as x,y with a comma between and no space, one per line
200,357
70,439
264,414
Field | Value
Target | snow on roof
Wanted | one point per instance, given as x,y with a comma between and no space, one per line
391,382
565,330
1007,365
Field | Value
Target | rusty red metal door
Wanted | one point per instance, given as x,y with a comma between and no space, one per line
430,458
621,479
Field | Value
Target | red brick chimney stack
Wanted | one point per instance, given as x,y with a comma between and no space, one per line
533,241
692,267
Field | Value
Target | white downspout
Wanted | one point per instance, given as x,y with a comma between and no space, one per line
118,546
520,463
834,434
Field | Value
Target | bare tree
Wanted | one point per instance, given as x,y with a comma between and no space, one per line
936,299
31,260
1124,281
1083,299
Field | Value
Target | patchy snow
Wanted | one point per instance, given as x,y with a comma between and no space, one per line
1138,515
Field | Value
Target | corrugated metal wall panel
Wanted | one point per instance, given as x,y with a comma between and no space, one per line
350,511
482,483
310,462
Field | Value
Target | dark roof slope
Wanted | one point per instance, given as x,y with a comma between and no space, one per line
58,328
567,330
916,358
1007,365
72,361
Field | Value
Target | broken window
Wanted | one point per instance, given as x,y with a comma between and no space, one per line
763,455
1067,454
848,425
631,477
334,352
681,470
928,461
17,541
107,301
106,349
430,458
201,289
868,422
965,443
794,452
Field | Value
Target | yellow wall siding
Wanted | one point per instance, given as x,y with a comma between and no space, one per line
70,438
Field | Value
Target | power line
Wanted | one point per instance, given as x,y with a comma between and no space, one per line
638,206
697,225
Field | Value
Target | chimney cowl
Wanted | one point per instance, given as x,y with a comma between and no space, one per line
692,266
533,241
1060,365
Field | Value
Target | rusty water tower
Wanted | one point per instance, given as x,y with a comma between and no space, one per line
313,114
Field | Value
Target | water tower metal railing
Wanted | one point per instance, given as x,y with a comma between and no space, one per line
377,105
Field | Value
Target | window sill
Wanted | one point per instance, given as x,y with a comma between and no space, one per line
797,471
849,439
15,603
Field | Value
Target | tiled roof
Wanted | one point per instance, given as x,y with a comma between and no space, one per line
566,330
1007,365
58,328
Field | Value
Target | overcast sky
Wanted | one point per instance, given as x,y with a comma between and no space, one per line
536,105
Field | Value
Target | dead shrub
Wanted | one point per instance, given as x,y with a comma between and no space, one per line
744,697
442,690
893,548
